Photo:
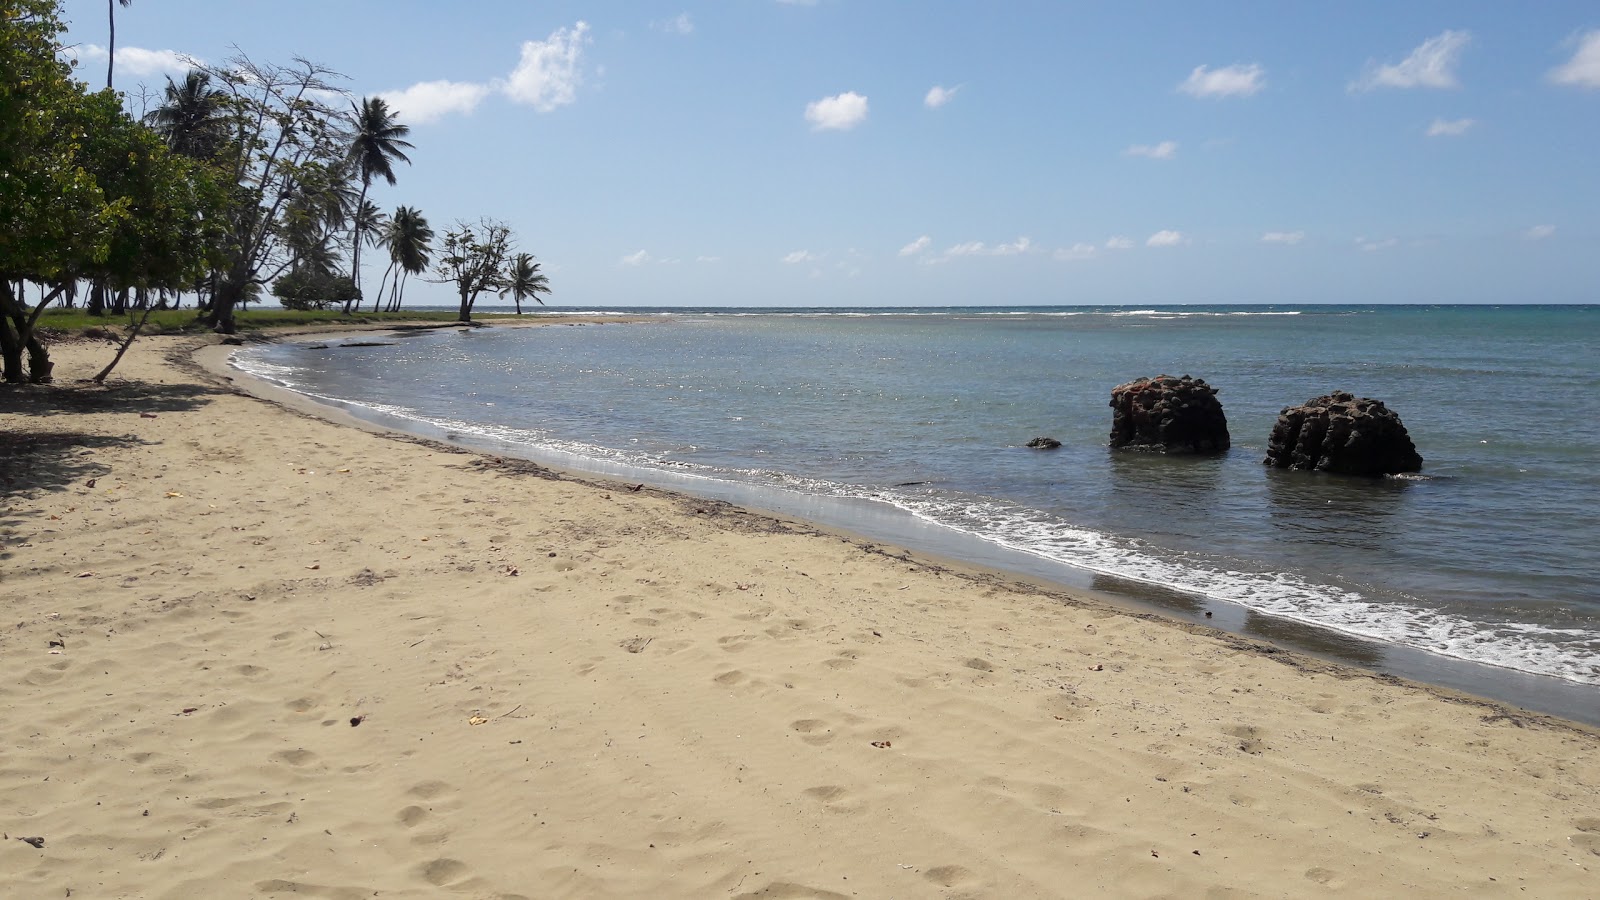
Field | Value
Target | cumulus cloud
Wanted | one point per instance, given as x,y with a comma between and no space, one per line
1076,251
1451,127
678,24
548,74
137,61
979,248
1283,237
1163,150
1371,245
1539,232
546,77
800,256
1166,239
938,96
635,259
1583,69
1230,81
1431,65
916,246
1119,242
841,112
427,101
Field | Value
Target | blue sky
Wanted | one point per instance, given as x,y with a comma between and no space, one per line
844,152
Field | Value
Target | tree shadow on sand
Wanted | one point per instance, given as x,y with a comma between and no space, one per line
132,397
35,462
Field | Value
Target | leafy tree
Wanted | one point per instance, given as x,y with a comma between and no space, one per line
311,288
410,244
55,220
283,140
192,118
474,260
376,143
524,281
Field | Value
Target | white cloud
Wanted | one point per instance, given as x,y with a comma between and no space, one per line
707,259
1373,244
939,96
137,61
1163,150
548,74
800,256
1450,128
1119,242
916,246
1077,251
427,101
1539,232
1583,69
1166,239
1431,65
978,248
678,24
1229,81
1283,237
635,259
840,112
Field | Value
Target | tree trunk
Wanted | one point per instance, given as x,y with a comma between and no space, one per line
126,343
355,248
378,300
111,44
466,308
10,351
97,297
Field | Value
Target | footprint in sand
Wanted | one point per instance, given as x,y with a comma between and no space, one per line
411,816
441,872
979,663
295,757
730,678
733,643
1249,737
249,671
950,876
431,790
1588,836
813,731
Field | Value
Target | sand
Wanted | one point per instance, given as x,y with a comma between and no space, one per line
252,653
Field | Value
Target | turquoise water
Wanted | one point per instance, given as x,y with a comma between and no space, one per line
1489,556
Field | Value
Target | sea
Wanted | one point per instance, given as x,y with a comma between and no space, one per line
910,425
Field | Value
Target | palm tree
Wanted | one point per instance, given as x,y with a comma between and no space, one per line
376,144
191,118
524,281
409,240
111,45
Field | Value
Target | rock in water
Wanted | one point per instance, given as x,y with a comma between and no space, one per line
1173,415
1342,433
1044,443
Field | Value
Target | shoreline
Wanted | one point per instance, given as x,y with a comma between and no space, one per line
871,522
319,659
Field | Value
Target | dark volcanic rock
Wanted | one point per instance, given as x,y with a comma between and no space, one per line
1342,433
1044,443
1173,415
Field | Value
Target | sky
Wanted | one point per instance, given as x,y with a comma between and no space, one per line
855,153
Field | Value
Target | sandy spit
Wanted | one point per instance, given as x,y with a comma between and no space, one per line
248,652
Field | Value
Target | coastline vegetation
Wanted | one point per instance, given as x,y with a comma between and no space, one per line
246,178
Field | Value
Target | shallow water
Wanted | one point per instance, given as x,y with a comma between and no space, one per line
1490,556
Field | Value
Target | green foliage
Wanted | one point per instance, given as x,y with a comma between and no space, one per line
309,288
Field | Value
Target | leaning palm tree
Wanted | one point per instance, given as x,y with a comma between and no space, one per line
524,281
111,44
409,240
191,118
377,141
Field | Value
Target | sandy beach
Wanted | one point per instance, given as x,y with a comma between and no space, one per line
252,652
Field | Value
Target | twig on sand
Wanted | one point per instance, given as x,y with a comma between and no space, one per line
513,709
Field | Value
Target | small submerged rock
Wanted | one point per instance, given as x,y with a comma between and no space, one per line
1044,443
